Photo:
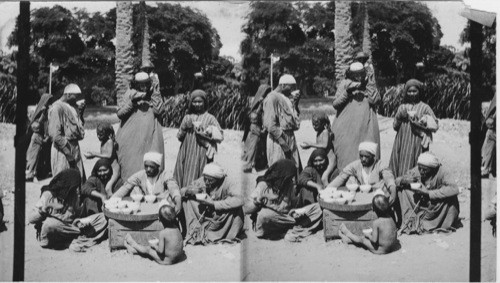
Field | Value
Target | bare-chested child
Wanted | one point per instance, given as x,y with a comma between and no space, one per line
169,249
383,238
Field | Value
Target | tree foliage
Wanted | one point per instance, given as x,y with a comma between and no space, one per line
403,33
488,64
300,34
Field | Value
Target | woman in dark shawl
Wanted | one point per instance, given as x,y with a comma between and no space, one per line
94,190
56,215
271,205
309,182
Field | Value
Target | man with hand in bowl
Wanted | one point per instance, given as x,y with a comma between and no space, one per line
151,181
212,208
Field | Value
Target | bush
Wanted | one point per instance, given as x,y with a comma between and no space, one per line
447,94
226,103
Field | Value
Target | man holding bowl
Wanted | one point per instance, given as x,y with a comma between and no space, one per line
367,171
152,182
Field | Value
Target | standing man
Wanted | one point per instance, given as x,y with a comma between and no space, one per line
65,130
281,120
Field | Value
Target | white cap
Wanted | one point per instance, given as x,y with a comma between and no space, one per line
141,77
287,79
356,67
72,88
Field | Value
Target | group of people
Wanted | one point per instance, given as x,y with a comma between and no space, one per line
70,209
284,202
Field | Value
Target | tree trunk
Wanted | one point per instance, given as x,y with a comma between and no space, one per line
366,30
145,53
343,38
124,49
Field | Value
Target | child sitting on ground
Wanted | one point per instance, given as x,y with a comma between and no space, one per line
383,238
106,135
169,249
253,138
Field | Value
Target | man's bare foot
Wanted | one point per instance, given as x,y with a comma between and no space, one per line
344,238
127,245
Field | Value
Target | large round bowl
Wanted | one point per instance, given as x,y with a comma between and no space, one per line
361,202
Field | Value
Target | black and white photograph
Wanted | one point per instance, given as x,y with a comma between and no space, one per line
248,141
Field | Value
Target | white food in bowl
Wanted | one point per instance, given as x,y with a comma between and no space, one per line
365,188
201,196
137,197
352,187
150,198
415,186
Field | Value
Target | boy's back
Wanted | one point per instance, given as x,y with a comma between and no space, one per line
171,245
387,234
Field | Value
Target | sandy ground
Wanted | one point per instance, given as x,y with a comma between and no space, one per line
436,257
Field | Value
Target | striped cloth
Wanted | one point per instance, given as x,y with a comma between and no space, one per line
192,156
408,143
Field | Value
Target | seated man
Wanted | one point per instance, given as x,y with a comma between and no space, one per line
368,171
434,205
213,208
151,182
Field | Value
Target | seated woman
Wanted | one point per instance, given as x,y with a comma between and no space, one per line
309,182
56,216
216,216
94,190
271,206
151,182
368,171
433,206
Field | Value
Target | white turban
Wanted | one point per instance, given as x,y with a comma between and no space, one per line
356,67
72,88
370,147
153,157
287,79
214,170
141,77
429,160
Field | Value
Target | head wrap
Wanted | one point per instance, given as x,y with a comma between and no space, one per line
64,183
154,157
141,77
356,67
317,152
428,160
287,79
100,163
197,93
413,82
280,171
370,147
214,170
72,88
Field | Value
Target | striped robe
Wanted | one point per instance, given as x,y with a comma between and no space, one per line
192,156
407,145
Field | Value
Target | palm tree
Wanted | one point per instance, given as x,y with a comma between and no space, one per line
366,30
124,48
145,53
343,38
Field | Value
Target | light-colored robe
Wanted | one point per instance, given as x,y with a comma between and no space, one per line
65,130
